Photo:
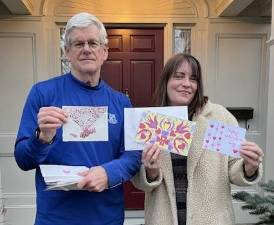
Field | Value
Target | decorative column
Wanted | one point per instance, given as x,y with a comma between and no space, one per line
269,151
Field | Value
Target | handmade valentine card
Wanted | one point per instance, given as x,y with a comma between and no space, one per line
169,133
133,117
86,123
223,138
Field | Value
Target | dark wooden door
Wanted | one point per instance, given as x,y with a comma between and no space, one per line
133,67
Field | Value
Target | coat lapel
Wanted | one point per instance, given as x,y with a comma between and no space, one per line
196,150
169,180
194,155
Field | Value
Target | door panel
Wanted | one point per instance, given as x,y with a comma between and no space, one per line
142,82
142,43
18,65
116,79
134,65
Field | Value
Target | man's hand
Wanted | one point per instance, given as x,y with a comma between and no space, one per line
95,179
49,119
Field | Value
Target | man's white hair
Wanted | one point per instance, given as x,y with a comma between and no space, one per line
83,20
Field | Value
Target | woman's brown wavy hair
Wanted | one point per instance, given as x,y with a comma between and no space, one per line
160,97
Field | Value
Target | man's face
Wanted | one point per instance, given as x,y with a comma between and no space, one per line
85,52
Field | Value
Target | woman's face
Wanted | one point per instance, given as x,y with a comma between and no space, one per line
182,86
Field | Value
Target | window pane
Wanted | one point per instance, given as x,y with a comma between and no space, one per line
65,66
182,40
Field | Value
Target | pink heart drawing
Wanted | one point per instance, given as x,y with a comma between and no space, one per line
66,170
143,136
235,151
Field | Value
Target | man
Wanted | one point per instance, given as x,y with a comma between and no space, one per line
100,198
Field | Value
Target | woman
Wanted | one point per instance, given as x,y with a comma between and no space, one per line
193,190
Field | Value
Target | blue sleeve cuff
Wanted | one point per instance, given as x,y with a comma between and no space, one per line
123,169
37,147
113,173
30,152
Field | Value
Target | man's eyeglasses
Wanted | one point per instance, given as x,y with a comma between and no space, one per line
79,45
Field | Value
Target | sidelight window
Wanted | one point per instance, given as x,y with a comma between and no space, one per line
182,40
65,66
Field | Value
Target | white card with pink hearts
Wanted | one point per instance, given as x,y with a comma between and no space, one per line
86,123
223,138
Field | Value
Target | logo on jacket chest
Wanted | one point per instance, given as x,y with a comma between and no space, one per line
112,118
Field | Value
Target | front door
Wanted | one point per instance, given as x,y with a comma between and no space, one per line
133,67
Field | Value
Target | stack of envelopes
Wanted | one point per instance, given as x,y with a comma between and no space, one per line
62,177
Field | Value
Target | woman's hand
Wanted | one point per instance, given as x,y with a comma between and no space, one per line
150,159
252,155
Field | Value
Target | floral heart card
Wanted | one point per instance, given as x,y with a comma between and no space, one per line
86,123
133,116
169,133
223,138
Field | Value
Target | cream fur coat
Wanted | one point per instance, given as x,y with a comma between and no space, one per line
209,174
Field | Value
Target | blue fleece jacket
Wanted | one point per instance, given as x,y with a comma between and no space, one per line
77,207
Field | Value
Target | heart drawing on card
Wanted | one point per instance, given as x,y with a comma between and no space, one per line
235,151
